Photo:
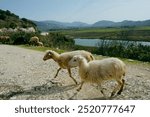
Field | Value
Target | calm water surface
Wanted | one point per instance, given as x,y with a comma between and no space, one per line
94,42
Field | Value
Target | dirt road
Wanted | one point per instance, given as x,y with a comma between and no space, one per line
24,75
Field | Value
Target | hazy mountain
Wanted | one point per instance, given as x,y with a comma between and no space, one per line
79,24
11,20
105,23
47,25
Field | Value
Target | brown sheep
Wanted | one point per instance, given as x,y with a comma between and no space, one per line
64,58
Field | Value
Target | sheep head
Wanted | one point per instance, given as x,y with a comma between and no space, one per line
48,55
75,61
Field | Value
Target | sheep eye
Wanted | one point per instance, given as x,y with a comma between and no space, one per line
49,53
74,60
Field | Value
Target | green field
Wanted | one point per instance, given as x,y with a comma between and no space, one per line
125,33
42,49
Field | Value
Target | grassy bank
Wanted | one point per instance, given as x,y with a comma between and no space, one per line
130,50
43,49
114,49
125,33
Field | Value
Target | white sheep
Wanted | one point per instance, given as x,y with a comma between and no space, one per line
64,58
35,41
39,43
97,71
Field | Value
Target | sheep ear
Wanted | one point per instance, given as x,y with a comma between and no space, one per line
50,53
80,57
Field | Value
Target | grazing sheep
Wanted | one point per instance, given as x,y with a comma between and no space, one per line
4,39
64,58
97,71
35,41
39,43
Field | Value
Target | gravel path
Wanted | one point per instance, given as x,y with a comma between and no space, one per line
25,76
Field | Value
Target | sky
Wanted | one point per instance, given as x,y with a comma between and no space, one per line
88,11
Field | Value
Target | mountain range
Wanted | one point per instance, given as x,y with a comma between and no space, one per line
48,25
11,20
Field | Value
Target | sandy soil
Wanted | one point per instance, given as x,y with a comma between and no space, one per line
25,76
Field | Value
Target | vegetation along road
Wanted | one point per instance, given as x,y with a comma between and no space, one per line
24,75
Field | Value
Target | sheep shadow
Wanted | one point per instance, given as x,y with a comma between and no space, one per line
48,88
9,90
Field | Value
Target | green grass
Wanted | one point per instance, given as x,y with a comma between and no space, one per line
143,28
110,29
129,33
39,48
82,30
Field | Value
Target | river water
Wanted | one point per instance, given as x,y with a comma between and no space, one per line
94,42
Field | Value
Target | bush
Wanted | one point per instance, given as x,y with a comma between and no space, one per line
132,50
17,38
57,40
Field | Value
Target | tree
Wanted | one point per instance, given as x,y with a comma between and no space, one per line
124,34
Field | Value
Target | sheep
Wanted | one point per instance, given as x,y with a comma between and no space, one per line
39,43
35,41
4,39
97,71
64,58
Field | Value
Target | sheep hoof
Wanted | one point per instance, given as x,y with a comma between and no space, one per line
112,94
119,93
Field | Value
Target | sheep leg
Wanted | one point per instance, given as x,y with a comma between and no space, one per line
101,89
57,72
69,71
120,83
80,87
121,88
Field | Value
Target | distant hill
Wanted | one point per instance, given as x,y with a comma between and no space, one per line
105,23
47,25
10,20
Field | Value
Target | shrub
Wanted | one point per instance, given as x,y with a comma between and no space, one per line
132,50
58,41
19,37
